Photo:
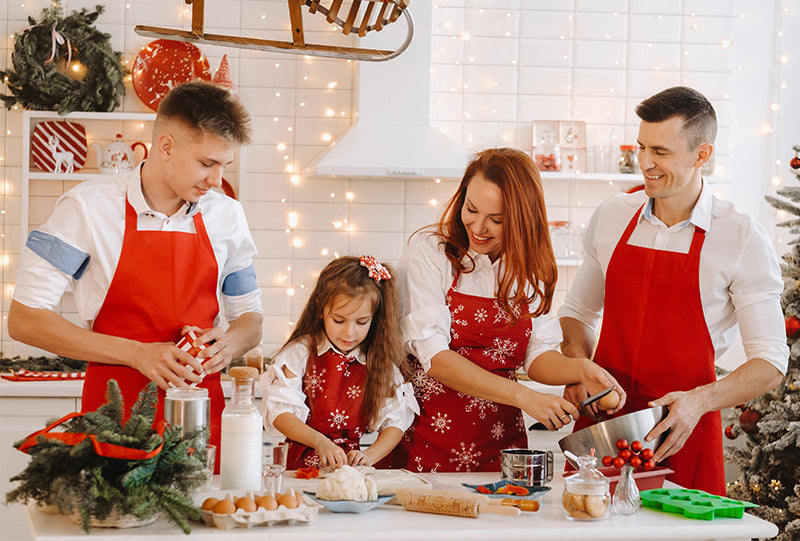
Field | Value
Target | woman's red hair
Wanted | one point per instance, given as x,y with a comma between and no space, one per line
528,260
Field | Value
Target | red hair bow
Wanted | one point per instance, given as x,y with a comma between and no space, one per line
376,271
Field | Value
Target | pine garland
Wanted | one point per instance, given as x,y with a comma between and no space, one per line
36,84
77,480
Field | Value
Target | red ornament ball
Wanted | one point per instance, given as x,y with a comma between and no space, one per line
749,420
792,326
794,163
622,443
729,432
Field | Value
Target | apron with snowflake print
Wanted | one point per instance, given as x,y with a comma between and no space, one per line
334,389
456,432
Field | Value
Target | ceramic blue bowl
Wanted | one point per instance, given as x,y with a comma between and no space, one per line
350,506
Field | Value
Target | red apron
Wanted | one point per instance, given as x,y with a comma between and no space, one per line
458,432
163,281
654,340
334,388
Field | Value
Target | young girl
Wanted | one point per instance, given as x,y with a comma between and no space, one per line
338,375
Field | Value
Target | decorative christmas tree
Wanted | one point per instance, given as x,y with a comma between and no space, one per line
770,462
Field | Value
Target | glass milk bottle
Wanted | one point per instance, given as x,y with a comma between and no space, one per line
240,461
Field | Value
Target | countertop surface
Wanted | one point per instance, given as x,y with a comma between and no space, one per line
393,522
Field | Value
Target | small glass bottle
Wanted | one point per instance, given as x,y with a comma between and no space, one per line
240,459
628,163
626,495
586,495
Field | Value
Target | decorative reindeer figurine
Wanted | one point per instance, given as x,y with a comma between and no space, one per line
60,157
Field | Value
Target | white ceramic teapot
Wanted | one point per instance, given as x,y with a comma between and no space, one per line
117,156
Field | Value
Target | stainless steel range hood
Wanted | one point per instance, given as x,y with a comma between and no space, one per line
393,136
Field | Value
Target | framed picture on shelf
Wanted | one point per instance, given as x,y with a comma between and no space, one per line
572,134
544,140
573,160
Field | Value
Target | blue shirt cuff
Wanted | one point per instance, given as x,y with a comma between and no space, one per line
58,253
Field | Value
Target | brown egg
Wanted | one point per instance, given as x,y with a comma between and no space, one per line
609,401
225,507
287,500
209,504
246,504
267,501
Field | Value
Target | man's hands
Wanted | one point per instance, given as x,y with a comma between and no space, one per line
685,410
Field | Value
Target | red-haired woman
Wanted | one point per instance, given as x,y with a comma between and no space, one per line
476,291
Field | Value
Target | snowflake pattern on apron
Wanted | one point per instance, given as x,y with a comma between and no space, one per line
462,433
333,385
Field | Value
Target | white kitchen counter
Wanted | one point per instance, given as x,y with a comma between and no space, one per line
389,522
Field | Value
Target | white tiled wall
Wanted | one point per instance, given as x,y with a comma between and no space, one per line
497,65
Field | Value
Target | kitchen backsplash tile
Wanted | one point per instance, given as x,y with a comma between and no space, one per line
497,66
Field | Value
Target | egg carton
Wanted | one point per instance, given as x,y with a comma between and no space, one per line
305,512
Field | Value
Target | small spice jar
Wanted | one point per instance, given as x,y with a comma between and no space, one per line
586,494
627,159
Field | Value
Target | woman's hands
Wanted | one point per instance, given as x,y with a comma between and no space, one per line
550,410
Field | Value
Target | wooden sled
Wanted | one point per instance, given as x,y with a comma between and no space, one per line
371,19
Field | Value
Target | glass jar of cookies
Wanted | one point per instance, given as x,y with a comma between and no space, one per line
586,494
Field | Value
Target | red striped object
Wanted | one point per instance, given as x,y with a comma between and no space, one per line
71,138
30,375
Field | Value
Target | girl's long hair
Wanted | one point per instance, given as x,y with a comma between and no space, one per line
383,345
526,251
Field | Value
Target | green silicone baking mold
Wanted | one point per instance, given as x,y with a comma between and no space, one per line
693,503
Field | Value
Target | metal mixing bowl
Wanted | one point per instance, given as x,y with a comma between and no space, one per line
603,436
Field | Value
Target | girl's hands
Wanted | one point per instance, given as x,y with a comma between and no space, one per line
330,454
356,457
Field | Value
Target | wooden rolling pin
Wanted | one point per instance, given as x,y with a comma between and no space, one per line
451,503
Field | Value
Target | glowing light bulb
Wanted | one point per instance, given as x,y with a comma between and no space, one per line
324,251
295,179
297,242
330,112
333,84
784,59
293,218
290,291
433,202
327,137
725,43
776,181
350,196
281,146
775,106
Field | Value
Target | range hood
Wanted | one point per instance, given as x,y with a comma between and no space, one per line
393,136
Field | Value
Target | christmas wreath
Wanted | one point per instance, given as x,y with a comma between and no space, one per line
64,64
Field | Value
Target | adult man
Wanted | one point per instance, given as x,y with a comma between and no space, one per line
673,270
146,254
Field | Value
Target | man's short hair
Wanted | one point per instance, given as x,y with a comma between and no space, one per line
699,118
208,108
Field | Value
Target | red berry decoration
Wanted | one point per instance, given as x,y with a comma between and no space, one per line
647,453
636,446
794,163
607,461
648,465
635,462
792,326
749,420
625,454
622,443
618,462
729,433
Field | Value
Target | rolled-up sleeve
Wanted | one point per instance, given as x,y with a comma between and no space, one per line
755,293
424,276
545,336
282,394
239,286
399,410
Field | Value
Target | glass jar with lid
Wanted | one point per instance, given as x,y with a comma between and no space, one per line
628,163
586,494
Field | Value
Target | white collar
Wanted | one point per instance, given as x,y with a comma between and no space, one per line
325,345
133,185
700,216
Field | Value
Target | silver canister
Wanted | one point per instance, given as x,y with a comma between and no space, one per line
533,468
188,407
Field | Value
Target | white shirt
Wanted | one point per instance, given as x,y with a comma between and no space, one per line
285,395
425,276
740,277
91,218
